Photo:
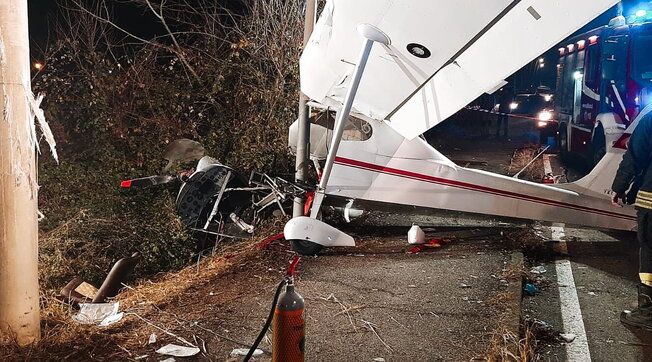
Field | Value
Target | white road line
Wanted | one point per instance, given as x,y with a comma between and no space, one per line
571,314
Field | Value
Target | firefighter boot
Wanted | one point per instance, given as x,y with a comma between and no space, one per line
640,317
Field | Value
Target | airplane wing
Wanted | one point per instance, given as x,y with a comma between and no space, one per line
443,53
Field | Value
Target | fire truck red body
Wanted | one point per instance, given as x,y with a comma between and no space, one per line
604,79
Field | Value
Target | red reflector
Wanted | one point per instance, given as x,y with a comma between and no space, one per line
622,141
126,183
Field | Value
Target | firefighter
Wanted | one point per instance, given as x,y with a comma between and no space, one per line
505,99
633,184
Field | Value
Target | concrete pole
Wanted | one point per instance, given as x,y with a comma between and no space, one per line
19,289
303,136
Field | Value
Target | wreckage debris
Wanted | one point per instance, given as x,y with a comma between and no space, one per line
113,282
77,291
102,314
178,351
270,240
430,244
416,235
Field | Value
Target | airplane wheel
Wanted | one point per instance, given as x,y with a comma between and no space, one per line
304,247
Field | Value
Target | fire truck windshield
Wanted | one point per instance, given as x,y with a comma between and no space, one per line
642,59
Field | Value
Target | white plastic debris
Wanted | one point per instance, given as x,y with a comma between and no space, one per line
567,337
171,359
244,351
416,235
178,351
112,319
379,359
98,313
592,294
464,286
152,338
538,269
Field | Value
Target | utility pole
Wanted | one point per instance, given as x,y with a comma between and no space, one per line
19,289
303,134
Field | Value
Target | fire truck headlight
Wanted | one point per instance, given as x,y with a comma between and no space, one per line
513,106
543,117
548,97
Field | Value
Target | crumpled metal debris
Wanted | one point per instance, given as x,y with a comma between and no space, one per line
102,314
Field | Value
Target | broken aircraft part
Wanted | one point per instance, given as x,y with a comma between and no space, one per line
215,199
113,281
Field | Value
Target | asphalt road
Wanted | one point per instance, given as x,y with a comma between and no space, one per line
605,273
377,302
439,305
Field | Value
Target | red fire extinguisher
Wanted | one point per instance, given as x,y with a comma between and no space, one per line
288,331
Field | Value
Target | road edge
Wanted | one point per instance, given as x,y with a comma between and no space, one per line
515,288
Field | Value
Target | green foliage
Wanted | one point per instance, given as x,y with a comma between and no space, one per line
113,106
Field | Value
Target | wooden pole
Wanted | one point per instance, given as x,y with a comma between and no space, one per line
303,136
19,290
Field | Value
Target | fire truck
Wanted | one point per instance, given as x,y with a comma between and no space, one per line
604,78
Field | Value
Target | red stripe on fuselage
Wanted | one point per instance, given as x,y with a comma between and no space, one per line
467,186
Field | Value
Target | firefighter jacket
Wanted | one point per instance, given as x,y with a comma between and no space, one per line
634,175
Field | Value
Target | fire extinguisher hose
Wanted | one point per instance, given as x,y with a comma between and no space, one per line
268,322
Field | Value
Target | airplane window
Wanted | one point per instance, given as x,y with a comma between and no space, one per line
356,129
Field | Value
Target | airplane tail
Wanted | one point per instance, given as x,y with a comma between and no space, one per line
598,182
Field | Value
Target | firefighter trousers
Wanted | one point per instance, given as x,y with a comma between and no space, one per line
644,235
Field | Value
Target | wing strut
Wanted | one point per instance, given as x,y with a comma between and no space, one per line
371,35
310,229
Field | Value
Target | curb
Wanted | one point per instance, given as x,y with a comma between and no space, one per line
515,288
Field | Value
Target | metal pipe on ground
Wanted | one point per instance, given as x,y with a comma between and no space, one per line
113,282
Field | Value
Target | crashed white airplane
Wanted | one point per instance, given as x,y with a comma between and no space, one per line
399,68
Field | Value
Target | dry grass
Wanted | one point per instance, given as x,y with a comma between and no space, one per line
533,247
63,339
507,346
521,158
